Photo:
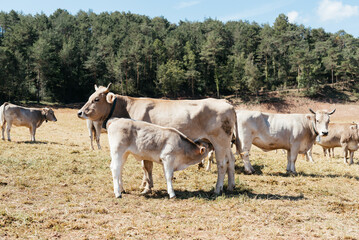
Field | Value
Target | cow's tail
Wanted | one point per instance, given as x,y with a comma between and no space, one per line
2,114
237,140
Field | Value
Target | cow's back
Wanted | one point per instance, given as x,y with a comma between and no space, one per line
20,116
194,118
271,131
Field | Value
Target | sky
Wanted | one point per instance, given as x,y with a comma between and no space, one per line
332,15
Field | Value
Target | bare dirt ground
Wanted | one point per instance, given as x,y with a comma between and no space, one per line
57,188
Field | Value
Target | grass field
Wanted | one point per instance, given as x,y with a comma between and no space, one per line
57,188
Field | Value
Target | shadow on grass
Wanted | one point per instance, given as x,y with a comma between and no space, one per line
313,175
210,195
39,142
257,168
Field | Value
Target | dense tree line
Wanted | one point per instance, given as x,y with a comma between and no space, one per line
60,57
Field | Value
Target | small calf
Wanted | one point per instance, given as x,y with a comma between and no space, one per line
144,140
94,128
21,116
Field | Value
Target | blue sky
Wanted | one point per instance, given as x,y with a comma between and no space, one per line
332,15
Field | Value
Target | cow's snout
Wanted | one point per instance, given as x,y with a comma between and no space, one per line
79,114
325,133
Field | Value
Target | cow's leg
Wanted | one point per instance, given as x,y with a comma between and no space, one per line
351,157
3,131
230,170
292,155
168,171
89,128
210,161
32,133
309,155
221,168
147,181
246,144
98,127
332,152
8,128
345,153
118,160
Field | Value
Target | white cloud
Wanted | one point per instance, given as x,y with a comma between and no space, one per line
335,10
182,5
293,16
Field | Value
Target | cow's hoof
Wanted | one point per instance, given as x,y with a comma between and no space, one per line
118,195
146,191
173,197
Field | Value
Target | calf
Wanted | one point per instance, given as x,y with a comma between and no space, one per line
21,116
94,128
144,140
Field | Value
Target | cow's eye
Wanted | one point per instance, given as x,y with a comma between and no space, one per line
97,99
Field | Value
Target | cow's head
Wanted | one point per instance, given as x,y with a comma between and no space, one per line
321,121
98,105
49,114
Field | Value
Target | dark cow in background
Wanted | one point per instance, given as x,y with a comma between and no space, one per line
295,133
212,119
21,116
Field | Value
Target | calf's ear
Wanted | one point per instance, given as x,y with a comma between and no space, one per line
110,97
202,150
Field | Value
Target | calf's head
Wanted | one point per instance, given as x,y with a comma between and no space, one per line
321,121
98,105
49,114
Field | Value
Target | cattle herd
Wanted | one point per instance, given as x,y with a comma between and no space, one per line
180,133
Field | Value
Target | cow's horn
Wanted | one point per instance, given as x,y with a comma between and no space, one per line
311,111
108,86
332,111
96,87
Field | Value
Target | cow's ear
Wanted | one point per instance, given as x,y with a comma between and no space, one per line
309,117
110,97
96,87
44,111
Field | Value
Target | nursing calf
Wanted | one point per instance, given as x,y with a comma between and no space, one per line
21,116
144,140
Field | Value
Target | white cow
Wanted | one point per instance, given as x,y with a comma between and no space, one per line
295,133
144,140
21,116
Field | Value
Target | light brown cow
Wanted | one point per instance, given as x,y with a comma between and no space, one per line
344,135
144,140
295,133
212,119
94,128
21,116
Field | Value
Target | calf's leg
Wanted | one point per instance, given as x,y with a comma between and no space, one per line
168,171
118,160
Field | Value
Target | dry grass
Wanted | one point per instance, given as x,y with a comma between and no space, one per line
58,188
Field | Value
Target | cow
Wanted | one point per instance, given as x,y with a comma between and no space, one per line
94,128
144,140
21,116
295,133
344,135
212,119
